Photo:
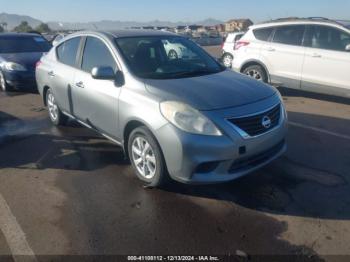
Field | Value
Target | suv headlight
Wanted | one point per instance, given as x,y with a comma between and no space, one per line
10,66
188,119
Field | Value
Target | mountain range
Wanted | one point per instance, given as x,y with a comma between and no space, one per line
13,20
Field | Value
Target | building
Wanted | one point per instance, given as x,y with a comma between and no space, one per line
238,25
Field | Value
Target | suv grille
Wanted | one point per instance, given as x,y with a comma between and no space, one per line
259,124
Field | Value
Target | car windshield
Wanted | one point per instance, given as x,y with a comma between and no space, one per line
166,57
23,44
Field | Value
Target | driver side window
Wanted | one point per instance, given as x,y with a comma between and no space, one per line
329,38
96,53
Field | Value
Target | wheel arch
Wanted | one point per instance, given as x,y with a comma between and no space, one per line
259,63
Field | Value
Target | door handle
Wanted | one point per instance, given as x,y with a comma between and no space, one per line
51,73
315,55
80,84
271,49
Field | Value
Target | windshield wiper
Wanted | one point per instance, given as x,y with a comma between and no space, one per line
193,73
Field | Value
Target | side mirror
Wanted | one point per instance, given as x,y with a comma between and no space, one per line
103,73
347,48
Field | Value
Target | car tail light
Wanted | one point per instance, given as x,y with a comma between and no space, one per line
240,44
37,64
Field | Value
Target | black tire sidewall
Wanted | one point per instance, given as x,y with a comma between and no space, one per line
260,69
160,178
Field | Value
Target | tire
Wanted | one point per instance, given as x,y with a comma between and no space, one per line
147,161
257,72
3,85
227,60
173,55
56,116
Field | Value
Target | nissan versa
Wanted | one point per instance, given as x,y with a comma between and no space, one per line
185,118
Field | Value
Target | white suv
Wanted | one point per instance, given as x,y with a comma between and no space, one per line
311,54
228,47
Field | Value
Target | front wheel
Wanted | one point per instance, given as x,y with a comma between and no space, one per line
257,72
56,116
146,158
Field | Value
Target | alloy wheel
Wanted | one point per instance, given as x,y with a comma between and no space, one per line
143,157
227,60
254,74
53,108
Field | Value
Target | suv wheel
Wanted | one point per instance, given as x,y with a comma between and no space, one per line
3,85
56,116
146,158
257,72
227,60
172,55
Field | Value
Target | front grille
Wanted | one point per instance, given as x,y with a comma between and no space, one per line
251,162
253,125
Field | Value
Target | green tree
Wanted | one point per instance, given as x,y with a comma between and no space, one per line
1,29
23,27
43,28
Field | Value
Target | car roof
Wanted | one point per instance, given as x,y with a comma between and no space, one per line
297,21
126,33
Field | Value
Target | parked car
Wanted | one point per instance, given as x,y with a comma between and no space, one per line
19,52
177,51
190,120
228,48
311,54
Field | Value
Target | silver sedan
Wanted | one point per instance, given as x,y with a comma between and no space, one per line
185,118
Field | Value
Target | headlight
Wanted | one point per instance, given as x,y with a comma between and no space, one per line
10,66
188,119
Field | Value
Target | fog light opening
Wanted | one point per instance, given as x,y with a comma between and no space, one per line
207,167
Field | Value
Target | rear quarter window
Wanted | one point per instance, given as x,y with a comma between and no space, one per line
263,34
67,51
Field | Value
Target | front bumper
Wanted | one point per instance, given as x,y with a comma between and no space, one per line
21,80
196,159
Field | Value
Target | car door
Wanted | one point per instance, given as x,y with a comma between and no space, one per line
63,72
284,55
96,101
327,63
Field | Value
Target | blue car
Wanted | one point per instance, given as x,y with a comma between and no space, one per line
19,53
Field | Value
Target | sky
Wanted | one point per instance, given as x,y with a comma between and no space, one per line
173,10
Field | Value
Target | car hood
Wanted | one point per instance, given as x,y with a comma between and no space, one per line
217,91
26,59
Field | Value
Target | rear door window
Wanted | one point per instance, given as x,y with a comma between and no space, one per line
96,53
67,51
263,34
289,35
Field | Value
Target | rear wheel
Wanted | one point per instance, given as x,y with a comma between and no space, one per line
172,55
56,116
257,72
146,158
3,85
227,60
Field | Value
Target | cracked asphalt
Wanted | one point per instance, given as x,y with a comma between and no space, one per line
72,192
